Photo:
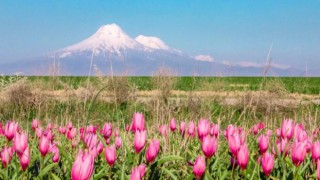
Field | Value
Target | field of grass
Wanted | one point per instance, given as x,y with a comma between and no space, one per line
91,103
305,85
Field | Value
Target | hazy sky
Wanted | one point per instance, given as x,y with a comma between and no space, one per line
228,30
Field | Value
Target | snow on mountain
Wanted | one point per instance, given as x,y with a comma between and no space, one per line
152,42
109,38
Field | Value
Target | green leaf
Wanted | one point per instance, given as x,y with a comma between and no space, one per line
47,169
168,159
123,171
169,173
55,177
100,174
65,154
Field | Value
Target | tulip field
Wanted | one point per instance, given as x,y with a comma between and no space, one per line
178,149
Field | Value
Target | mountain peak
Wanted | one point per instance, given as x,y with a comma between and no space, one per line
108,38
152,42
110,29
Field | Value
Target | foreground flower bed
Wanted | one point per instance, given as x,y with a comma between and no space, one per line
177,150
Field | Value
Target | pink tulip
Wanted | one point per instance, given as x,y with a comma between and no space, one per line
44,145
182,128
243,156
82,167
35,124
116,133
191,129
56,153
263,143
91,129
72,133
163,130
209,146
11,129
39,132
127,127
139,140
91,140
111,155
234,143
269,133
138,122
203,128
287,129
152,150
283,146
20,142
278,132
199,166
214,131
62,130
230,131
298,153
118,142
69,126
138,172
50,126
1,129
267,163
316,151
25,159
106,131
100,147
173,125
318,169
6,156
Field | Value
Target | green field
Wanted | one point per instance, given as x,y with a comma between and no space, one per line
304,85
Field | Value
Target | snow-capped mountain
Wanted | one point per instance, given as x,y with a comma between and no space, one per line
152,42
108,39
112,51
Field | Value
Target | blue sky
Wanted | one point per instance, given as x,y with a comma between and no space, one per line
228,30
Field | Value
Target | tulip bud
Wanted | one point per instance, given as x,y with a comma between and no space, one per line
118,142
163,130
44,145
20,142
209,146
35,124
62,130
199,166
25,159
203,128
152,150
139,140
6,156
267,163
72,133
111,155
234,143
173,125
287,129
316,151
106,131
263,143
82,167
182,128
191,129
138,122
11,129
243,156
138,172
298,153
